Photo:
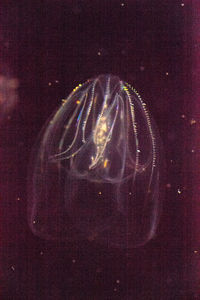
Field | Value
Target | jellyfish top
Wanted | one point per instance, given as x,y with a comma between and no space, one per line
107,85
107,123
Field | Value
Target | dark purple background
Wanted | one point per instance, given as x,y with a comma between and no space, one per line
51,46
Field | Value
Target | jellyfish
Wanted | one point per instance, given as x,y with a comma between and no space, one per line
95,169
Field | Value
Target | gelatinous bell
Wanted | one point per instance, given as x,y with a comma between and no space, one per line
95,168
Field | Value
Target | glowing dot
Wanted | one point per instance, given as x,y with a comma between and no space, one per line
99,53
130,193
118,281
195,251
18,199
179,191
142,68
115,289
183,116
34,221
166,73
182,4
49,84
13,268
56,81
168,185
100,193
192,150
138,151
122,4
78,101
193,121
73,260
105,163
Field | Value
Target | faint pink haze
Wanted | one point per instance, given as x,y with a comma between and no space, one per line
8,95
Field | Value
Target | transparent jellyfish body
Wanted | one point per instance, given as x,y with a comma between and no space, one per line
95,168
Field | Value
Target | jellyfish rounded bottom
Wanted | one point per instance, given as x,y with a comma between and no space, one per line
110,214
